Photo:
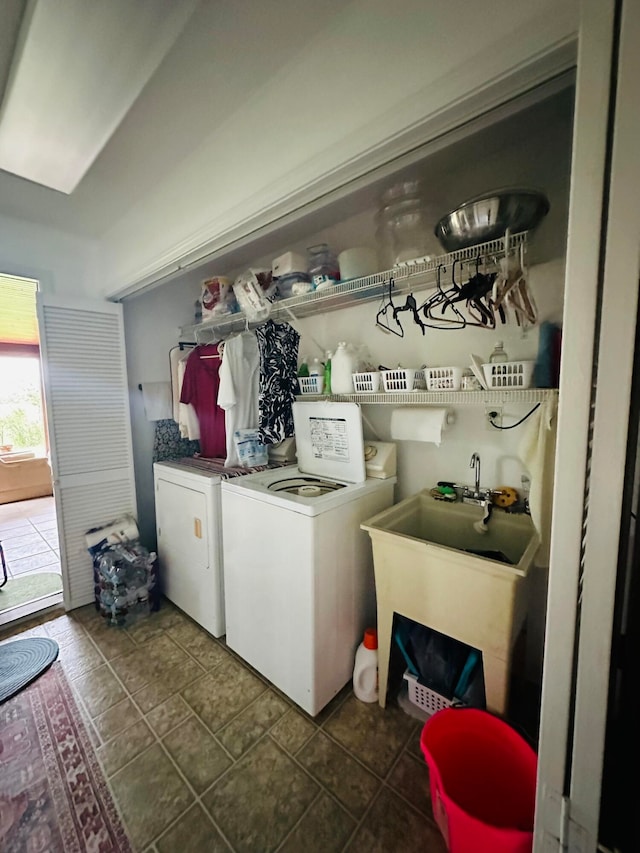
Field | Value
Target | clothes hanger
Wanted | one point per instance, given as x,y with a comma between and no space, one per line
386,310
444,300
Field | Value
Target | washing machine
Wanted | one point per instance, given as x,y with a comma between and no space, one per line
299,583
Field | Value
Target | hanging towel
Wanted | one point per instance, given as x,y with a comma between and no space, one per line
187,419
176,355
537,451
156,397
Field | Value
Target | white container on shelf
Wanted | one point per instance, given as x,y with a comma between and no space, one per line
404,379
343,365
508,374
365,670
313,384
367,382
443,378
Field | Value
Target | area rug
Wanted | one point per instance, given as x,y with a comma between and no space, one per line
23,660
53,794
29,587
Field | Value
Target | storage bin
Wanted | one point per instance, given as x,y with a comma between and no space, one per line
424,697
403,379
482,776
443,378
508,374
311,384
366,383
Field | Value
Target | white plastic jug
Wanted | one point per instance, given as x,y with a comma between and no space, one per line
343,366
365,670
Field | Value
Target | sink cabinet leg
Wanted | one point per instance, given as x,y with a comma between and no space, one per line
385,625
496,683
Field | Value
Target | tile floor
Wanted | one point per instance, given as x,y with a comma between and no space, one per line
203,754
29,534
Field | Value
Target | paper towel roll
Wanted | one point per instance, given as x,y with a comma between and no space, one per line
418,424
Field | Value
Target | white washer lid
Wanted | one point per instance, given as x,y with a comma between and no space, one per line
329,440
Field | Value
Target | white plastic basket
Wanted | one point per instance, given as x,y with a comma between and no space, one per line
311,384
424,697
443,378
403,379
366,383
508,374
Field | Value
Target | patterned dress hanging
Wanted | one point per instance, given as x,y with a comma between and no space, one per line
278,345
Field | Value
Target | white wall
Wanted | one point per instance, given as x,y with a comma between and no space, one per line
151,328
63,264
368,73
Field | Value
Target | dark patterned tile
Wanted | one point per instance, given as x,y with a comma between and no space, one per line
293,730
347,780
221,694
99,690
196,753
325,828
117,719
150,795
148,662
392,826
79,657
166,716
259,801
410,777
111,640
125,746
64,630
200,645
193,833
374,735
155,624
252,723
173,680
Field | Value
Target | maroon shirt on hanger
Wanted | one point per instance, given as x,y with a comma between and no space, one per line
200,388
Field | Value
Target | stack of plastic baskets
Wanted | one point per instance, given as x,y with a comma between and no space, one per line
483,781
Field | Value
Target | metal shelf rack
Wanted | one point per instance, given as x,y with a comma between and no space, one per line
441,398
419,275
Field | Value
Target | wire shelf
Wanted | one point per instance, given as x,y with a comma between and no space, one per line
448,398
418,275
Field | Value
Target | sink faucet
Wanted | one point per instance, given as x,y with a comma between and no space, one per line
475,463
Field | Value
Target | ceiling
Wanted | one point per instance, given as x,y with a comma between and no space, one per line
206,59
70,71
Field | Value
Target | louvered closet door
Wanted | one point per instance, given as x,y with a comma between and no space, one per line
89,427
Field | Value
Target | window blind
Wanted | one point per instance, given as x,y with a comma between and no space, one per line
18,321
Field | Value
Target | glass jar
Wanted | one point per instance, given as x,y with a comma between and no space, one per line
323,266
405,226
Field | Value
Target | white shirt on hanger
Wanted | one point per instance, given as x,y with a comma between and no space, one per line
238,392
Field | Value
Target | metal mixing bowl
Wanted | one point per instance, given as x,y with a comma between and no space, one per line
487,217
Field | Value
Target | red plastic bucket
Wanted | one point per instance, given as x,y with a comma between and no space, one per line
483,781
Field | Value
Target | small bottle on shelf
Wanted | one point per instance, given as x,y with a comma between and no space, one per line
303,370
327,372
498,356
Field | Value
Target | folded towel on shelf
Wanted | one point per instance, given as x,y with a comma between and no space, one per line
156,397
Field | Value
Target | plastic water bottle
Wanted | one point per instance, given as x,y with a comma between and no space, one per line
365,670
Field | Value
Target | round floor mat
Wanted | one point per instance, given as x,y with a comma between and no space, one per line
23,660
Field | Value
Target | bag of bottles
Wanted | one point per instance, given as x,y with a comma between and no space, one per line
124,572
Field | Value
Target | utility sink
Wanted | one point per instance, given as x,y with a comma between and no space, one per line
424,569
